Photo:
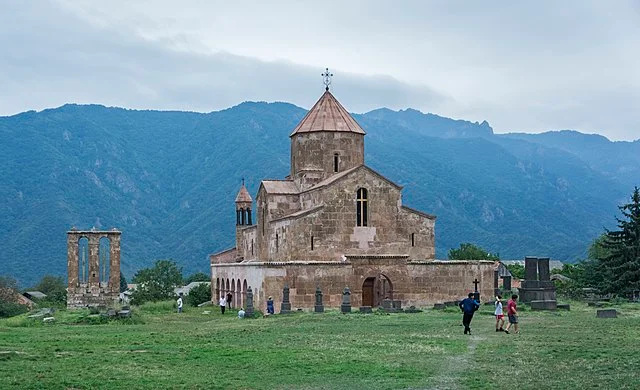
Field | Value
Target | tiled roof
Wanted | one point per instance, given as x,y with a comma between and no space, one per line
280,187
328,115
243,195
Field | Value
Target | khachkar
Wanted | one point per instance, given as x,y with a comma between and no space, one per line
537,288
94,273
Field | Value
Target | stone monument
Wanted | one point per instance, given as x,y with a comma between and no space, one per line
318,307
94,274
346,301
537,289
248,313
285,306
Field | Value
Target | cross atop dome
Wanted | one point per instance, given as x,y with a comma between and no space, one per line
327,78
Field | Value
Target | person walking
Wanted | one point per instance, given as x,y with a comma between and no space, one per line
468,307
179,301
512,313
229,298
270,309
223,304
499,314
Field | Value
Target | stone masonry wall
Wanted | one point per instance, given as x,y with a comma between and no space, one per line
414,283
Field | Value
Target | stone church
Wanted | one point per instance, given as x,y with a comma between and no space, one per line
334,222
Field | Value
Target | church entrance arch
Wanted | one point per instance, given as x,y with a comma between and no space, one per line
375,289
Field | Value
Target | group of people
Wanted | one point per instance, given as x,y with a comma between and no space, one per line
470,304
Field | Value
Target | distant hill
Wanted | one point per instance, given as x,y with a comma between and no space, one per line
168,180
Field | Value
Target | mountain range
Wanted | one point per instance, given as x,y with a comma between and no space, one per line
168,180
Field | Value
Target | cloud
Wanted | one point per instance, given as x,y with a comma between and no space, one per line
56,57
526,67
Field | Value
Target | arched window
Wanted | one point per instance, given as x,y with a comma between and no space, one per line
336,160
277,242
242,220
361,207
237,217
249,217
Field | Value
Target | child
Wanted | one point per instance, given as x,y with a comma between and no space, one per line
512,313
499,314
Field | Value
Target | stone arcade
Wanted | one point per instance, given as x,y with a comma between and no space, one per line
333,223
94,272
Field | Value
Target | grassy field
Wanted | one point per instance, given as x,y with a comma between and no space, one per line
160,349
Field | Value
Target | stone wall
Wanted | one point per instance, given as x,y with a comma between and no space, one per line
93,291
312,155
418,283
330,218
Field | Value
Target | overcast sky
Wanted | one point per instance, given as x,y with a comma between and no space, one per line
522,66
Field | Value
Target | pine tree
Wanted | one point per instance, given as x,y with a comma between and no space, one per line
622,264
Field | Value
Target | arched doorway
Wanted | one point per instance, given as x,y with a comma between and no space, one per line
375,289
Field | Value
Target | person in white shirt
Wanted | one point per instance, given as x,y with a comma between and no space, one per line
223,304
499,314
180,304
241,313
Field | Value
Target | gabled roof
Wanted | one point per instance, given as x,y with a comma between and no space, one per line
339,176
328,115
243,195
280,187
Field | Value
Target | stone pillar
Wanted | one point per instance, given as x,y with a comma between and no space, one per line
285,306
530,268
543,268
114,262
72,260
346,301
506,283
94,261
248,313
319,306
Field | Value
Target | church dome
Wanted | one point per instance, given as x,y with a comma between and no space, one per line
328,115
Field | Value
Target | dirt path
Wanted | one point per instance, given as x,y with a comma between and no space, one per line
451,368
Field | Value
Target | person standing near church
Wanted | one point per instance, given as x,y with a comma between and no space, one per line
270,309
179,302
512,313
468,307
499,314
223,304
229,298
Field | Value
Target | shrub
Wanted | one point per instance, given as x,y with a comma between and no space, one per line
199,294
10,309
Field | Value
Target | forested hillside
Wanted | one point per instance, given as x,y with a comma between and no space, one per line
168,181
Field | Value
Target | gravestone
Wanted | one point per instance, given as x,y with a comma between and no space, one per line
111,312
506,283
48,320
248,313
607,313
387,304
412,309
124,314
544,305
439,306
365,309
346,301
319,306
285,306
397,304
537,285
564,306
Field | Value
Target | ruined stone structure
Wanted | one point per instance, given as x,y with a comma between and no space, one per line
333,223
94,271
537,288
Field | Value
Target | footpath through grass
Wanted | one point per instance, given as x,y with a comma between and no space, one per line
161,349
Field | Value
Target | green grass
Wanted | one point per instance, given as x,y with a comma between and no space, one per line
163,349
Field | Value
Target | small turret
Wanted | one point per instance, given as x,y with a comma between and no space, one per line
243,207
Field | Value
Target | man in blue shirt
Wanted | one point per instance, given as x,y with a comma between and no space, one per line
468,307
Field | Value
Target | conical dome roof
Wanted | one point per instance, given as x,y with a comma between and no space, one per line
328,115
243,195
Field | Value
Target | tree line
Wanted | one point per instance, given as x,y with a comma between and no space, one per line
612,265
